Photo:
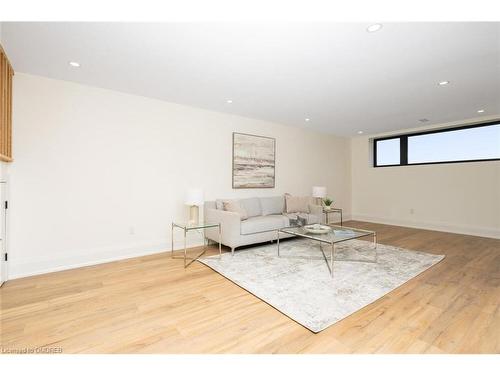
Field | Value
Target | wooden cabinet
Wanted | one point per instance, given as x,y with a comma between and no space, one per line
6,74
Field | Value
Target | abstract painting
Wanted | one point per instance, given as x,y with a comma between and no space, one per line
253,161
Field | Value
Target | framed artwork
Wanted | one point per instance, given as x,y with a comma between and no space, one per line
253,161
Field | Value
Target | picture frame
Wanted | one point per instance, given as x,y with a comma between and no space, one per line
254,161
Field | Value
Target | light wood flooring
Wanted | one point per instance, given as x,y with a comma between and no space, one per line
152,304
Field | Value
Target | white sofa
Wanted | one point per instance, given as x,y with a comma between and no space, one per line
265,216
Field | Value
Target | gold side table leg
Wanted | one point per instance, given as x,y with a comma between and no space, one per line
206,244
185,255
172,239
220,242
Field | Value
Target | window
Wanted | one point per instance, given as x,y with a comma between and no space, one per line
388,152
479,142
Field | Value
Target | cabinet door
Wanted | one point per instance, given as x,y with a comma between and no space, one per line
3,232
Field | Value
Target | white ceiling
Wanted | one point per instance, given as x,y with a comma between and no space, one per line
340,76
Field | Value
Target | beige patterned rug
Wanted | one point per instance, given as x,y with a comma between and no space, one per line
298,283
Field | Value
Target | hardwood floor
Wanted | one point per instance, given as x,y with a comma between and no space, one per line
152,304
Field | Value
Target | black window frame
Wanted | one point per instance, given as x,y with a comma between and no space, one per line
403,145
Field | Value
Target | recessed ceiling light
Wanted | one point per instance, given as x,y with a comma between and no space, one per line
443,83
360,131
229,101
74,64
374,27
307,119
480,111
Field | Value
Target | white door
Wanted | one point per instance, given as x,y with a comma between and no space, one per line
3,232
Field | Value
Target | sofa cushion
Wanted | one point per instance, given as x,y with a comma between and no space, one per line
234,206
263,224
251,206
297,204
272,205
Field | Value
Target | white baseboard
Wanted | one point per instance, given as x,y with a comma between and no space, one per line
89,257
431,225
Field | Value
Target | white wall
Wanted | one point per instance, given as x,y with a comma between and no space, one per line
461,197
92,165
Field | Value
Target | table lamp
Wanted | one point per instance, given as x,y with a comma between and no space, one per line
319,192
194,199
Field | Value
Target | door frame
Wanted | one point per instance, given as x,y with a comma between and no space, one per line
3,231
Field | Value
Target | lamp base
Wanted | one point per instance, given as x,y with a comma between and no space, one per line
194,215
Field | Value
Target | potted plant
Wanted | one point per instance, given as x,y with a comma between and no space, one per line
328,202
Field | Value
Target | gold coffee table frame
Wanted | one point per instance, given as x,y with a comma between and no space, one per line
331,238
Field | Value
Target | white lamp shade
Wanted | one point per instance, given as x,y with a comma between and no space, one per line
195,197
319,191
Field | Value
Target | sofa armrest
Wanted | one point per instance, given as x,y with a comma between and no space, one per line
230,225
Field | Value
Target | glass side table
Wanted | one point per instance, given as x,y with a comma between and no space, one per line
328,211
186,227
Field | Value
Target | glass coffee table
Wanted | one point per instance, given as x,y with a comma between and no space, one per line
336,235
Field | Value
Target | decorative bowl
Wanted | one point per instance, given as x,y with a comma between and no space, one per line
317,228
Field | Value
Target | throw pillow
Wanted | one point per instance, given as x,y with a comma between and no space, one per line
234,206
297,204
218,204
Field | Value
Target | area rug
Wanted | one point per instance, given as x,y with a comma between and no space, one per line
298,283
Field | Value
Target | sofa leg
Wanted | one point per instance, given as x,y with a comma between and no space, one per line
272,241
232,251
